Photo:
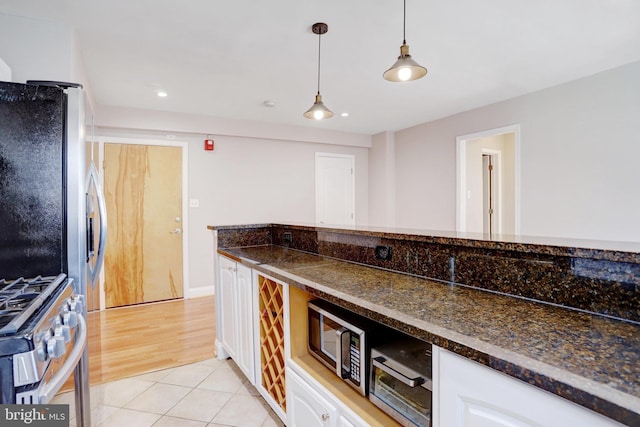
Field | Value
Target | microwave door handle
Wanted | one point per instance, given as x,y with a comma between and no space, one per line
378,362
339,371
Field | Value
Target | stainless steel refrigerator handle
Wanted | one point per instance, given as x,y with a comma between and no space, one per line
411,382
93,177
102,207
51,387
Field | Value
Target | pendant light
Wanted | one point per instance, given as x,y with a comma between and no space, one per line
405,69
318,111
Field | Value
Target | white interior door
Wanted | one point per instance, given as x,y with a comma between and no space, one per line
335,199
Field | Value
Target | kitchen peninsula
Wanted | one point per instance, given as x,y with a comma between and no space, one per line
557,315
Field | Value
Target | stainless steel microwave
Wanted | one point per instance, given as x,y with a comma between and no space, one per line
341,340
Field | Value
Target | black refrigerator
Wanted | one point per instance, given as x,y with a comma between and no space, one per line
52,214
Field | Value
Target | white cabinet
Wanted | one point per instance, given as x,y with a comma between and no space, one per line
236,306
344,422
469,394
305,406
310,404
226,306
245,352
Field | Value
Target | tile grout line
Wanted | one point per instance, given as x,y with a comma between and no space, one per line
245,390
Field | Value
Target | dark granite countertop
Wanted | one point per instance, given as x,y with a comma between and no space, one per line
589,359
594,249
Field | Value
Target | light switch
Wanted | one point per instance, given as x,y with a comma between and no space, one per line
194,203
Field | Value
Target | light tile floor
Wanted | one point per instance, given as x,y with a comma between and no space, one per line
211,393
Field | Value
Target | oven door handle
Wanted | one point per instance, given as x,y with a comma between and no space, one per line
378,362
51,387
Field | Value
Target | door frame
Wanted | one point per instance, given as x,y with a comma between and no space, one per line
352,158
496,156
185,203
461,172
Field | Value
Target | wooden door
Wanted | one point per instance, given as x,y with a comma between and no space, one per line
143,190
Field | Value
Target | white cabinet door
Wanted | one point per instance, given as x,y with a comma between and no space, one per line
473,395
305,406
227,305
343,422
244,322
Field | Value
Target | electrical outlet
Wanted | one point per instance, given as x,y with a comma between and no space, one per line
383,252
287,237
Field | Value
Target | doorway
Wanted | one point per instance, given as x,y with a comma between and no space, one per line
488,182
335,196
144,186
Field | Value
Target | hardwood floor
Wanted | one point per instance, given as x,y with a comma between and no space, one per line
133,340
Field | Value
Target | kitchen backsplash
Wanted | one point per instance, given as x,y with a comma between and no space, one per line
595,280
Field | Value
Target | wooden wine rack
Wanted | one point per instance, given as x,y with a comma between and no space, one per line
272,339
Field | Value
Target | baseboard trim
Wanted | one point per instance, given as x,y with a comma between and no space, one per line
201,291
221,353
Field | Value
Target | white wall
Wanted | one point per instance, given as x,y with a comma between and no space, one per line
382,175
426,178
5,71
132,118
474,185
244,181
508,183
579,159
36,49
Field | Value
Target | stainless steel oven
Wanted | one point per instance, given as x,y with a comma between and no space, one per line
42,337
401,381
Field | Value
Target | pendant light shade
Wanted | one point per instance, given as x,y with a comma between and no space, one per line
405,68
318,110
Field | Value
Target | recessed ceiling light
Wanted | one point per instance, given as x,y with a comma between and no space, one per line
162,94
345,114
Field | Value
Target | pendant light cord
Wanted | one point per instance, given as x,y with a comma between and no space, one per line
319,38
404,23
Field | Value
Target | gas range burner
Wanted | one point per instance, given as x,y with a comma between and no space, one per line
21,298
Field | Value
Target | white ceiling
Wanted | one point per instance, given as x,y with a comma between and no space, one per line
225,58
